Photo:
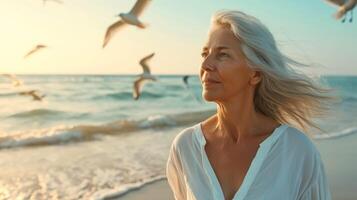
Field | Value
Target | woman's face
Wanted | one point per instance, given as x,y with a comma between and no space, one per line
224,71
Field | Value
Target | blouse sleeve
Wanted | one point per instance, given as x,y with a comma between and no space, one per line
175,175
319,189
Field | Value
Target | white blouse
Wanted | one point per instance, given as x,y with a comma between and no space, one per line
287,166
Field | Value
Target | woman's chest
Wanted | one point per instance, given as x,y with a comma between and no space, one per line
230,167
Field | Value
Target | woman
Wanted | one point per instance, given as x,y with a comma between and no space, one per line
249,149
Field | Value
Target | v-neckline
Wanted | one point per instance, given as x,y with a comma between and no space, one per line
253,169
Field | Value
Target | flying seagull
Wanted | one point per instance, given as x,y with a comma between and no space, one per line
35,49
15,81
130,18
34,94
344,7
187,86
184,79
146,75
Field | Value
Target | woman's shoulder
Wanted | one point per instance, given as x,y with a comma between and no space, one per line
186,138
299,143
302,158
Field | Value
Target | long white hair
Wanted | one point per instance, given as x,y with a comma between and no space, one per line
283,94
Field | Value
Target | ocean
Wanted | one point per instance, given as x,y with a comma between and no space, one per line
88,138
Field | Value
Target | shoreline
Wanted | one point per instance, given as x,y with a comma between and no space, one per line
158,190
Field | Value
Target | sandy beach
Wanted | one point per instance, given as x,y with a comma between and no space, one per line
339,156
340,161
158,190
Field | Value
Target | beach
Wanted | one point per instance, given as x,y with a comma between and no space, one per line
340,159
102,144
159,190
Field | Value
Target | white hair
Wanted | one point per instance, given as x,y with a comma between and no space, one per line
283,93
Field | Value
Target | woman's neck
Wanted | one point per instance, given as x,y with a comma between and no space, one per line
238,122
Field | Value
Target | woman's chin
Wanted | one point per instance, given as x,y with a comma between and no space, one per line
209,96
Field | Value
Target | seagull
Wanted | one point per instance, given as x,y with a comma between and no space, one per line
130,18
146,75
34,94
184,79
344,7
35,49
15,81
57,1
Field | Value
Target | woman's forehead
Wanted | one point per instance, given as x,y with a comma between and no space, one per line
221,38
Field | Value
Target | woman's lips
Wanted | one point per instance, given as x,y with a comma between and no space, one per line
210,81
207,83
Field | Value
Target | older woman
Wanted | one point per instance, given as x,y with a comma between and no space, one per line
250,149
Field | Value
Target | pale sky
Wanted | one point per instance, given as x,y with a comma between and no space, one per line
305,30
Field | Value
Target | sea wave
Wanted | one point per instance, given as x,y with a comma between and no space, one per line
61,134
349,99
337,134
64,134
37,112
55,135
124,189
125,95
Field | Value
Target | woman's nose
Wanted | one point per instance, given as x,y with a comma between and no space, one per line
208,65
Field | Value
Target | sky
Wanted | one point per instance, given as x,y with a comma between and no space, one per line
177,30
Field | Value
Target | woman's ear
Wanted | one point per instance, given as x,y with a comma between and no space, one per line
256,77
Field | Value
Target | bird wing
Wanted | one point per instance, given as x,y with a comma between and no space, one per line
111,30
139,6
350,4
41,46
29,92
32,91
30,52
15,81
137,87
37,97
34,50
185,79
347,6
143,63
34,96
336,2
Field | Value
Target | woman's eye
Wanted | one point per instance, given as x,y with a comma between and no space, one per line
204,55
222,55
